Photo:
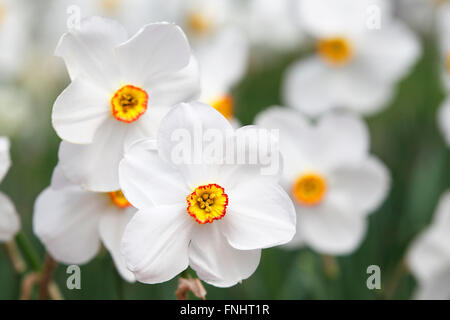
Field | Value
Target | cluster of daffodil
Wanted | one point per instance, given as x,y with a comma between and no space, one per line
116,183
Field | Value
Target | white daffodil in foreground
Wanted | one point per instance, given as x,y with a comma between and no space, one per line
120,90
9,219
331,177
361,52
213,217
429,255
72,222
223,62
13,36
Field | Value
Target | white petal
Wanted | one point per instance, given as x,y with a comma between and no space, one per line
258,216
9,219
365,185
443,118
155,243
5,160
79,111
66,221
158,48
437,288
88,51
112,226
332,227
95,166
181,140
441,218
308,87
147,180
429,254
223,62
390,52
59,179
343,139
168,89
216,262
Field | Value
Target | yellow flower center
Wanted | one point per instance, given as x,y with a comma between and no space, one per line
337,51
129,103
207,203
110,6
225,105
309,189
119,199
198,23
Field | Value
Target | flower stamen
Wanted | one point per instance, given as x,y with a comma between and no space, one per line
309,189
207,203
129,103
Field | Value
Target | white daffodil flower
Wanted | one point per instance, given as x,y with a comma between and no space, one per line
273,24
361,53
72,222
429,255
9,219
120,90
419,14
13,36
213,217
223,62
331,177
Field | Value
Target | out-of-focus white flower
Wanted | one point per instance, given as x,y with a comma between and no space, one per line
14,28
72,222
273,24
357,64
213,217
330,175
9,219
120,91
223,62
443,118
429,255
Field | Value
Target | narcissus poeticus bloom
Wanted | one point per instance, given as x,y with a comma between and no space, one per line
333,180
213,216
120,90
72,222
9,219
361,52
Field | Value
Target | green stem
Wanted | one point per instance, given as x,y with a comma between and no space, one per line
28,252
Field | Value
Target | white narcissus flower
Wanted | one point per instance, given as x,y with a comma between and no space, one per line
215,218
357,64
72,222
429,255
9,219
120,90
13,36
223,62
333,181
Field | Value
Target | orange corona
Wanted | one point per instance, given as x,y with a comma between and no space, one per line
207,203
119,199
309,189
129,103
336,51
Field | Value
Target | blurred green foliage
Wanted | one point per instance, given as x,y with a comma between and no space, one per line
405,136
